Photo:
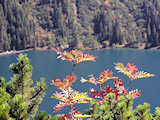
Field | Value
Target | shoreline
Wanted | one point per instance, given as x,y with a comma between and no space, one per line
51,49
15,52
107,48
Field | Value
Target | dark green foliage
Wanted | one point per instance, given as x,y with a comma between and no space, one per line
19,100
156,115
42,115
143,112
5,99
121,109
84,23
80,24
113,109
16,29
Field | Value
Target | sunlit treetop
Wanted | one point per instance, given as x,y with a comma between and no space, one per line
74,56
131,71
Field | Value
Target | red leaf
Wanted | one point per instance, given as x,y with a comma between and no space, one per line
67,82
119,88
65,117
135,93
96,93
131,68
105,73
70,78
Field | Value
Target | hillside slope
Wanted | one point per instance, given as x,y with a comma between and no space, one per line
88,24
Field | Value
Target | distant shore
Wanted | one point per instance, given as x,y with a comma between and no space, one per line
46,48
15,52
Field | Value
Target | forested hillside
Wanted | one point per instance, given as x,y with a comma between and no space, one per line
88,24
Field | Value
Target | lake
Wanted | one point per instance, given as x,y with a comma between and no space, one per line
46,65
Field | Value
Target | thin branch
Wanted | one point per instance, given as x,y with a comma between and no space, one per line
29,99
73,68
129,84
71,109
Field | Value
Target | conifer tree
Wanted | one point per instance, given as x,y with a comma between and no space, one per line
121,109
5,99
21,100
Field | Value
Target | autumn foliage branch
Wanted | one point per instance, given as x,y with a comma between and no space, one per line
70,97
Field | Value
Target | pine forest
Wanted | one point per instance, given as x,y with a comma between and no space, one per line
80,24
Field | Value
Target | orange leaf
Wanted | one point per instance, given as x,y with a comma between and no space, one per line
74,56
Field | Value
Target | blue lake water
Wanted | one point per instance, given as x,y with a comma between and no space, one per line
46,65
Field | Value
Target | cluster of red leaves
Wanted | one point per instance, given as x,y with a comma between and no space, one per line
69,97
103,77
105,73
65,117
118,89
135,93
102,94
74,56
67,82
131,71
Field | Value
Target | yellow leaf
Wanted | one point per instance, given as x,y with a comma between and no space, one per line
122,69
142,74
131,71
82,116
106,79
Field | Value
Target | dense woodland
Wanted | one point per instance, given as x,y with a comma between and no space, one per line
88,24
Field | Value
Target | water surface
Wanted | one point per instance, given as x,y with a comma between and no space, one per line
46,65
